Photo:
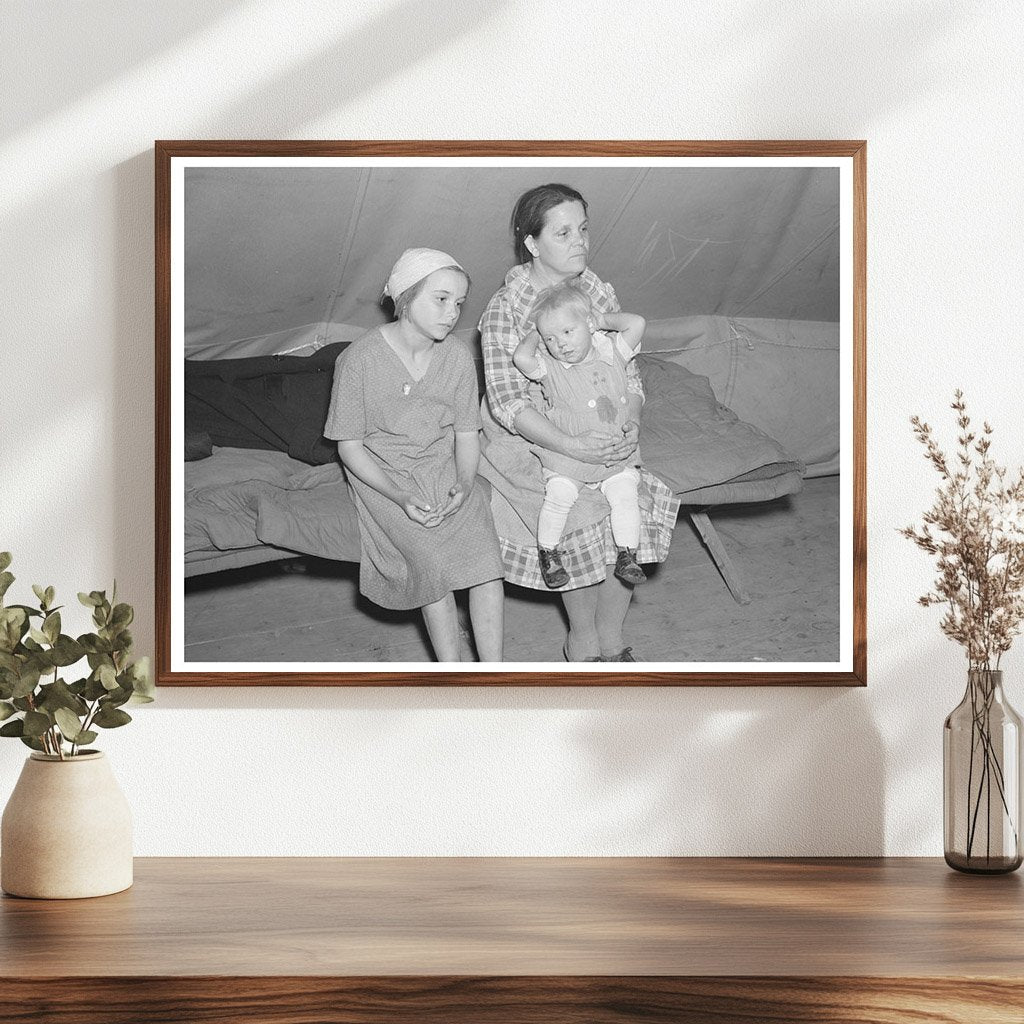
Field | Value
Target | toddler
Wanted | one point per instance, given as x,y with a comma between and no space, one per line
583,376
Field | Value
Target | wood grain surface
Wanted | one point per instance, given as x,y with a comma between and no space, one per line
523,939
518,1000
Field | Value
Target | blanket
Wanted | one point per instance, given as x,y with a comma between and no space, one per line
273,403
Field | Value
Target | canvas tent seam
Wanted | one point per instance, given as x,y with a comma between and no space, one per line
345,255
627,197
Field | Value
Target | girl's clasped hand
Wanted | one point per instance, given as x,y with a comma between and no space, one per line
420,511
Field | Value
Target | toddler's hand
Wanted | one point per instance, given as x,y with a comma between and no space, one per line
631,434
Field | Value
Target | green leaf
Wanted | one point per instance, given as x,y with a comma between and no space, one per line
9,662
6,579
5,559
86,736
31,741
69,724
106,675
142,681
40,593
29,611
15,728
28,680
94,644
38,635
115,698
13,625
67,651
94,689
51,626
122,616
109,718
36,723
6,710
89,600
50,595
58,695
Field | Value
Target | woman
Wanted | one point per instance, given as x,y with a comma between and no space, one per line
550,232
405,414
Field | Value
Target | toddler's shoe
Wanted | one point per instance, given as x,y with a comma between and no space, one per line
551,567
627,568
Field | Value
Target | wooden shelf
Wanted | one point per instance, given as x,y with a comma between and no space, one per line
572,941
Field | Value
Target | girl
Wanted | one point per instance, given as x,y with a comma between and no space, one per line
405,414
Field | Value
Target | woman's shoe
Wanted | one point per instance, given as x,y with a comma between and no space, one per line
565,654
626,654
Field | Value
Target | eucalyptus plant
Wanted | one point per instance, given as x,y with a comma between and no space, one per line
46,712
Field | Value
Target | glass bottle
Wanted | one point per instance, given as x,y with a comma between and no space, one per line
981,779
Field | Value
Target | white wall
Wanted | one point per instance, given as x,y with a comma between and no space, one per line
936,88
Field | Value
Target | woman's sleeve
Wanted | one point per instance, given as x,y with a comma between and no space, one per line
346,417
609,303
466,405
507,388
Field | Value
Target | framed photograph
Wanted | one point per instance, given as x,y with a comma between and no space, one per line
510,413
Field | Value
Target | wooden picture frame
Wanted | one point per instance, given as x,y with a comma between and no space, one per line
845,660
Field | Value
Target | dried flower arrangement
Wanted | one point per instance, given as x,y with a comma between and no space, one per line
976,528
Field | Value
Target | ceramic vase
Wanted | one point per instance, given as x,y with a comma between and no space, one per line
66,831
981,775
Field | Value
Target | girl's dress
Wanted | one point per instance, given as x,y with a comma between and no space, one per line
408,427
517,488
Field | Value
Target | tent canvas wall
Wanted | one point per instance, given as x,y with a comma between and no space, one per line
736,269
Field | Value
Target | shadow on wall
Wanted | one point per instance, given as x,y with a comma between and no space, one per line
394,39
694,771
50,65
680,778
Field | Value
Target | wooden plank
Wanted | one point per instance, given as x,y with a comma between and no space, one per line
494,917
489,940
551,1000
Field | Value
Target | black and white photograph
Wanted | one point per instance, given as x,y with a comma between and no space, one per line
567,417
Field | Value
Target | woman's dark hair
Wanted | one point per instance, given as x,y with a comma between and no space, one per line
530,210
